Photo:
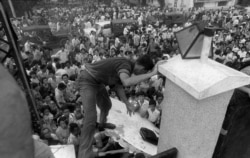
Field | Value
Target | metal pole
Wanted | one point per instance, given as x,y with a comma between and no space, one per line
18,58
12,8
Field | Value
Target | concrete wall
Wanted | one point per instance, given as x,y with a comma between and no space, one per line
154,3
180,3
190,3
210,5
190,125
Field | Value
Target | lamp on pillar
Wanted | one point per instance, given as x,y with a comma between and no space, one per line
196,96
198,39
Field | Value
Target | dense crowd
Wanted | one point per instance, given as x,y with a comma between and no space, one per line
53,74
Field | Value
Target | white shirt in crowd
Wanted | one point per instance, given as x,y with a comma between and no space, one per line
75,42
92,39
59,96
27,47
143,107
60,72
63,55
242,54
153,116
125,31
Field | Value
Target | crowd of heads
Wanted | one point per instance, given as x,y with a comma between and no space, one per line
52,72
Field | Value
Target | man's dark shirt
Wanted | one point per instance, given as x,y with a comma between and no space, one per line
108,71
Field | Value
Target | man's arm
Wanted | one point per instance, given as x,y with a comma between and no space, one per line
133,80
57,54
121,93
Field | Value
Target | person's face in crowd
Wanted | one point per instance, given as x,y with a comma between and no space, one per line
113,94
152,107
159,100
43,61
47,99
67,65
45,81
141,98
65,79
37,88
46,132
52,105
90,58
63,124
46,112
76,131
66,112
51,75
33,76
95,52
248,55
248,44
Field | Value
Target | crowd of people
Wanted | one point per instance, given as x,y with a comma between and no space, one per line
53,75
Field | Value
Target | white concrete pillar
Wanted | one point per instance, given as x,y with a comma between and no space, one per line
195,102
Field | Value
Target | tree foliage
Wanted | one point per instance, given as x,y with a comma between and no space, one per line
244,2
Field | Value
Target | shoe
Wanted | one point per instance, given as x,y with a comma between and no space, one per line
103,126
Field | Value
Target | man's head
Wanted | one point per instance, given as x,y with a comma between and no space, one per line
143,65
44,80
65,78
52,73
35,86
141,96
152,104
66,111
159,98
74,129
46,111
61,86
46,133
63,122
112,93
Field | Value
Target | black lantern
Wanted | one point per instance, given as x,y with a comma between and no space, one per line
190,41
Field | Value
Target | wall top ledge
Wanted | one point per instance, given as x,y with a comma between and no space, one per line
203,79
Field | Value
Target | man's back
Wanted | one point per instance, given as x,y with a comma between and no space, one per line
107,71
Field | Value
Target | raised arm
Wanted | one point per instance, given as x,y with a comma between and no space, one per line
133,80
121,93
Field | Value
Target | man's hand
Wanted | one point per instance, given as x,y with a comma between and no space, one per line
130,109
155,70
101,154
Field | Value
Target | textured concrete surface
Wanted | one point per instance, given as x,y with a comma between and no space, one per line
191,125
203,80
195,103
